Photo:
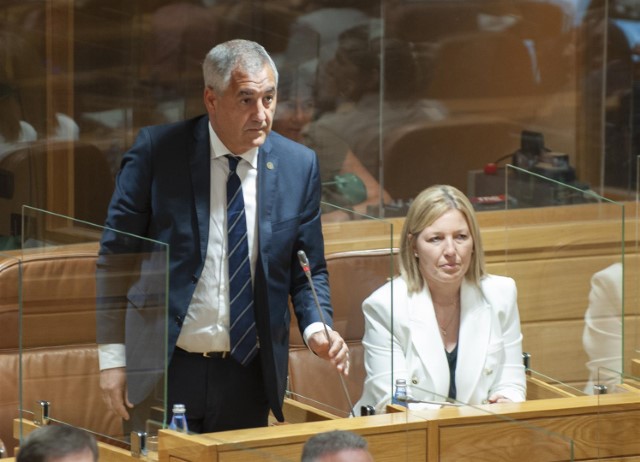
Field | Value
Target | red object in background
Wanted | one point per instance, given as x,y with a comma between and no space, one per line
491,168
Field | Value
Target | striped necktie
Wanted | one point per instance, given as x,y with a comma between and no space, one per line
242,329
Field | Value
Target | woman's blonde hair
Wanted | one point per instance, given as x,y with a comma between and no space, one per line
426,208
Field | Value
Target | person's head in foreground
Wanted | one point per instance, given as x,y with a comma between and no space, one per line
336,446
58,443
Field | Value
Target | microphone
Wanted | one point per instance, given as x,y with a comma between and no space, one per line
304,263
492,167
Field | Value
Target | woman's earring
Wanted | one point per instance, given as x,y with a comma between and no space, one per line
415,254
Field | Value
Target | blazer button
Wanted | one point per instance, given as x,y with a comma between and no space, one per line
178,320
194,279
488,371
414,380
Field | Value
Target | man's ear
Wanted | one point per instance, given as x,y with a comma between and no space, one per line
210,99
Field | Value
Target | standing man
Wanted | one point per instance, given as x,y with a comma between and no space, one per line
235,203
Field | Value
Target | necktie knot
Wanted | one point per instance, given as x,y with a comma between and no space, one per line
233,163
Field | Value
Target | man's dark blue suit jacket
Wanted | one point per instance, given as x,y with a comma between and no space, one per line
162,194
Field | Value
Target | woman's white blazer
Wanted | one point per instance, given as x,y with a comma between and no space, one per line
402,340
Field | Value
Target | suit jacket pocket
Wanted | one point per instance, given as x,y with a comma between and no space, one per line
285,224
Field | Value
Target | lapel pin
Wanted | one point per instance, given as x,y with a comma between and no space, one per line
270,165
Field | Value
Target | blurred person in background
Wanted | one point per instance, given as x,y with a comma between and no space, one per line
366,104
294,116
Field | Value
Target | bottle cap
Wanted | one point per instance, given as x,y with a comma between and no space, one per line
179,408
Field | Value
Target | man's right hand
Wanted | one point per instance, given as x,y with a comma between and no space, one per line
113,383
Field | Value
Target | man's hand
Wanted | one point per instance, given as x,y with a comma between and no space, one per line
337,351
113,383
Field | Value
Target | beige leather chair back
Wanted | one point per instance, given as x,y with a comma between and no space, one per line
353,276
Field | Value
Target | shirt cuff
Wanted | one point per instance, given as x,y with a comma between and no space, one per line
111,355
312,329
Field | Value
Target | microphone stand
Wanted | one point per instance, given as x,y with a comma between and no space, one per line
409,399
304,263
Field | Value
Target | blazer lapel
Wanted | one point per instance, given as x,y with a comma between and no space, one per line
200,163
427,341
473,340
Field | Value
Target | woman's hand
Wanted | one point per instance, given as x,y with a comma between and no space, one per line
497,398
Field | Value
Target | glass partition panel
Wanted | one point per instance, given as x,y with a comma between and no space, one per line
566,257
402,93
632,292
618,396
354,273
493,80
611,381
540,386
80,307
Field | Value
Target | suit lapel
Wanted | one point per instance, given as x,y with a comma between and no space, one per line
267,191
475,330
427,341
200,163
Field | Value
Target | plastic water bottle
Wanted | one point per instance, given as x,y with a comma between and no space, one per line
179,419
400,394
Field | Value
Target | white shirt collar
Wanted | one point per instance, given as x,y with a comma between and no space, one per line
218,149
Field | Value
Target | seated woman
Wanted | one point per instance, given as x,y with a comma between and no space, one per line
454,329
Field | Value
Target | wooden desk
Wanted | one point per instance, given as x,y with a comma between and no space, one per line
589,427
542,431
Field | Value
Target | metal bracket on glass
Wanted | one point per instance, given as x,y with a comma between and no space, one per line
3,450
600,389
41,413
138,444
526,359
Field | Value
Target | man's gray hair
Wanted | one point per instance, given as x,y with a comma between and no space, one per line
331,443
224,58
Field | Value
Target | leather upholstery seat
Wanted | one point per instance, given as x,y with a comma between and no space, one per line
59,361
353,276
